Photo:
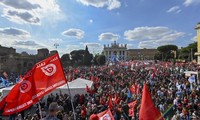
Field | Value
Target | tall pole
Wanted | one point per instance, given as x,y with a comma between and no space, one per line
56,45
191,54
71,102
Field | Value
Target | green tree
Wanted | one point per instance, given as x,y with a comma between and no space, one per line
187,53
87,59
167,51
101,59
77,56
65,59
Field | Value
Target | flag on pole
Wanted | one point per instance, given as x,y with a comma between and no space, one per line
105,115
135,89
43,78
147,110
110,104
132,106
88,90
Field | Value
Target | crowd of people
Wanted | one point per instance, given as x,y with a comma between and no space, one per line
116,85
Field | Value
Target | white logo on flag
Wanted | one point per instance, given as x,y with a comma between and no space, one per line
105,117
49,69
25,86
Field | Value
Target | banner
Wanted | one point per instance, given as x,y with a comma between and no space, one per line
43,78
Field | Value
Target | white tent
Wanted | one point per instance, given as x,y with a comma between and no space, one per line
77,86
5,91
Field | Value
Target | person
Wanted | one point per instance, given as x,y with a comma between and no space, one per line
19,117
53,108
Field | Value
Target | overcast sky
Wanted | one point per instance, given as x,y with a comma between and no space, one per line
31,24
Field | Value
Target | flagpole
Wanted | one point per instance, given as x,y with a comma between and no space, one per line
69,92
71,102
40,112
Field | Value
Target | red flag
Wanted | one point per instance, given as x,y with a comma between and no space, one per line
110,104
2,103
132,89
135,89
132,106
89,90
153,75
105,115
44,77
116,99
147,110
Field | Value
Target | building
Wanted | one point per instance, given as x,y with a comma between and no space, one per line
121,52
141,54
10,61
198,42
6,50
115,51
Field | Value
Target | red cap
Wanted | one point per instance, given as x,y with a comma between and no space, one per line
94,117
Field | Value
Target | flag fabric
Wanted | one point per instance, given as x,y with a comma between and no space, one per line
192,79
147,110
44,77
129,94
105,115
135,89
2,103
117,99
132,106
132,89
110,104
88,90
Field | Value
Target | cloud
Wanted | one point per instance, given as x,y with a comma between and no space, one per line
25,43
147,44
110,4
91,21
28,46
73,32
194,38
32,45
108,36
131,46
91,44
21,17
93,47
32,11
175,9
151,33
19,4
151,37
14,32
191,2
70,48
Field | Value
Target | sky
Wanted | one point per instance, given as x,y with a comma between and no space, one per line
28,25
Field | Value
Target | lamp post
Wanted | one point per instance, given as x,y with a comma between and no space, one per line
56,45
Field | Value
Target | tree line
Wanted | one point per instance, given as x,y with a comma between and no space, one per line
171,52
82,58
164,53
